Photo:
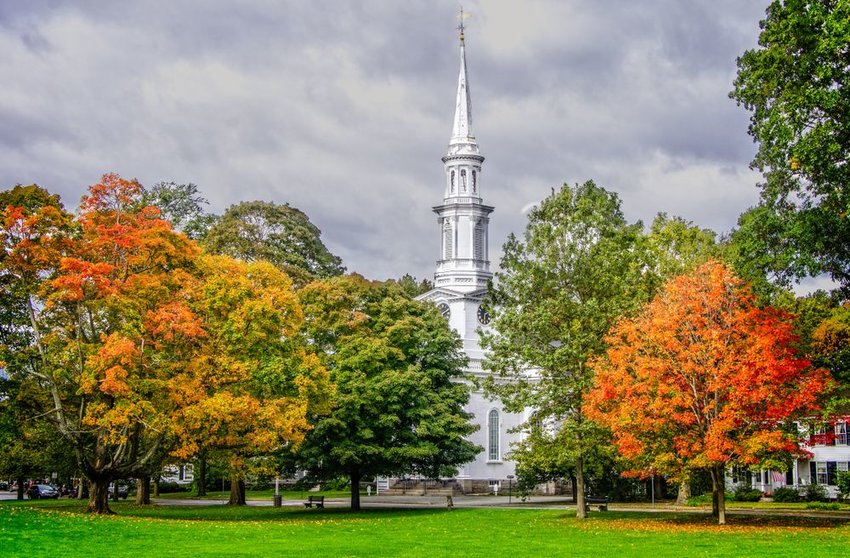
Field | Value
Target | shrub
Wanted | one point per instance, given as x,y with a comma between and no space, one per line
843,482
744,493
823,506
169,487
786,494
815,493
705,499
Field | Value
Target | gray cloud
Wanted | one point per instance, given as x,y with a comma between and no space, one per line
344,109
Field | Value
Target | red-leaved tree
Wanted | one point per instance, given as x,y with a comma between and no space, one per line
703,379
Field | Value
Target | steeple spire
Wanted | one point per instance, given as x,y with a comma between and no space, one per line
462,139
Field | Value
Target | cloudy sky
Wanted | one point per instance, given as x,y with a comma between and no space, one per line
343,109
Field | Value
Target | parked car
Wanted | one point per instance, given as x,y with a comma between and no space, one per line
39,491
123,491
4,485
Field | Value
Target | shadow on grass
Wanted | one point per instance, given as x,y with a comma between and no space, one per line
220,512
690,521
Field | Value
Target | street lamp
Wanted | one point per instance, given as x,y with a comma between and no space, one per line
510,487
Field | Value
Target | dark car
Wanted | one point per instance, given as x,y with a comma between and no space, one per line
39,491
123,491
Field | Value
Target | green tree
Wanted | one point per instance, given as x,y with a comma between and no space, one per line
28,448
830,348
797,86
280,234
578,267
182,205
411,286
397,368
676,245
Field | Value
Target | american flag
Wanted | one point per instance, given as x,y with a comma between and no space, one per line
777,476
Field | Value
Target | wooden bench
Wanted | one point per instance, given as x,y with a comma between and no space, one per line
602,502
318,501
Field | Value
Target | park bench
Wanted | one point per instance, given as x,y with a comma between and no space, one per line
601,501
318,501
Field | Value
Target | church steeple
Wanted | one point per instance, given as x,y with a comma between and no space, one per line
464,240
462,136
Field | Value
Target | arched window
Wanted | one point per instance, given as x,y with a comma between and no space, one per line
493,453
474,182
463,180
453,181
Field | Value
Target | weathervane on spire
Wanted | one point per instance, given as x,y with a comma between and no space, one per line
461,16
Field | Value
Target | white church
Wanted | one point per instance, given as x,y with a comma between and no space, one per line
460,288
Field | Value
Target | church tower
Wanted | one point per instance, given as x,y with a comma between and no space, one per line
463,219
460,289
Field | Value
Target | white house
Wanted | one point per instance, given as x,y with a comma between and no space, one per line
830,455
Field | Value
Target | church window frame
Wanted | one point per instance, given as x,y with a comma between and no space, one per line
474,181
452,181
478,241
448,240
463,180
494,450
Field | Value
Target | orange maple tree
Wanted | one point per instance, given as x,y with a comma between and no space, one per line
98,358
145,347
250,380
703,378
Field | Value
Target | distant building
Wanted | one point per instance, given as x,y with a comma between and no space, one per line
181,474
830,455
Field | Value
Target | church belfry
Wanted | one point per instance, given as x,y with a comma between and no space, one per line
463,219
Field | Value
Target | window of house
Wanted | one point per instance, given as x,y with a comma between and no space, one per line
493,453
841,434
821,472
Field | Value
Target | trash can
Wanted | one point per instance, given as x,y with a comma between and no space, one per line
278,500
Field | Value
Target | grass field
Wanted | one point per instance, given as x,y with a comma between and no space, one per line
59,529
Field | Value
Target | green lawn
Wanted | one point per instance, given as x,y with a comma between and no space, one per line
59,529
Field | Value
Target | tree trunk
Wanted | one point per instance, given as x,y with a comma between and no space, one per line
156,486
115,492
574,488
201,477
718,494
143,491
99,497
237,492
581,512
355,490
684,493
21,481
81,488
